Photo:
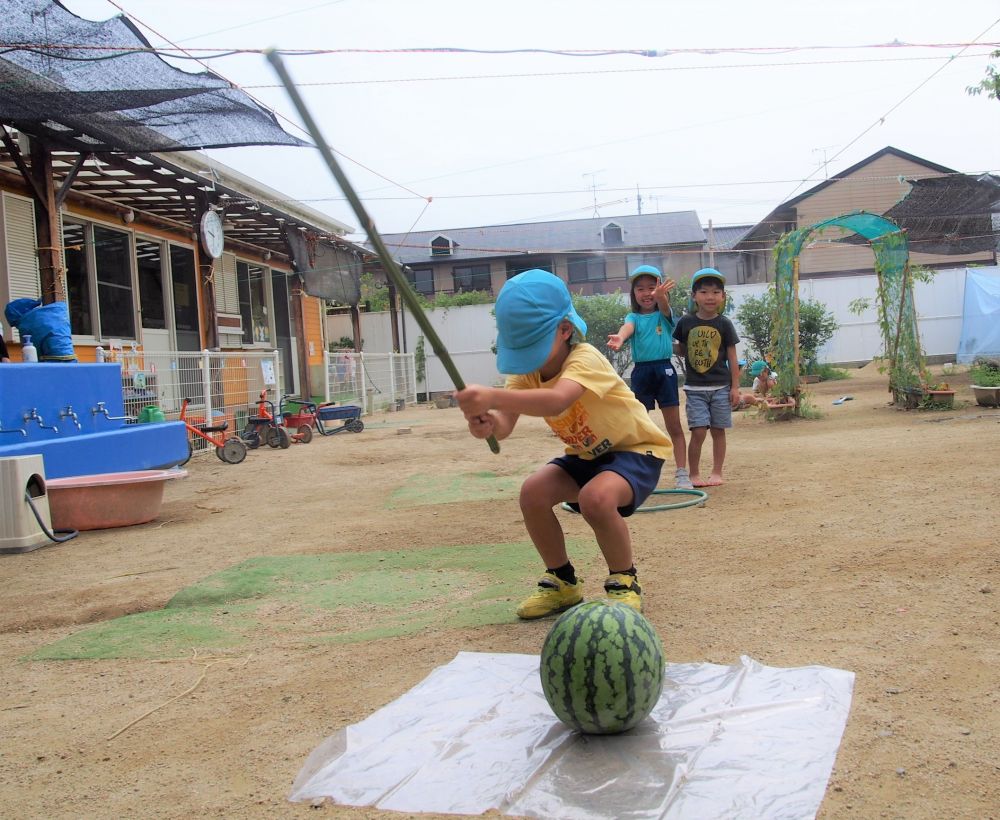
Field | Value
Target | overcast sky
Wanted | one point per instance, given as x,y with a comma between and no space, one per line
523,137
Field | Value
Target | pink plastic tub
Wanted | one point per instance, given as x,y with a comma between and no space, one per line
103,500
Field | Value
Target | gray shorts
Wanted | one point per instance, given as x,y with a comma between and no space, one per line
709,408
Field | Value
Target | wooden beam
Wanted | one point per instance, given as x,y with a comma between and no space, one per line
51,272
67,182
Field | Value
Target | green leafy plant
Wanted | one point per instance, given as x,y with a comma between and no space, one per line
985,373
756,317
449,300
827,372
990,84
905,362
375,295
420,360
343,343
604,314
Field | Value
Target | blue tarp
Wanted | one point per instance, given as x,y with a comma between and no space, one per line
980,315
47,325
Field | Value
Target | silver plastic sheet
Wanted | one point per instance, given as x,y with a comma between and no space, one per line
736,741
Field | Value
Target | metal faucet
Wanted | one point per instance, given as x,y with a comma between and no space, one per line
101,410
67,412
20,430
33,416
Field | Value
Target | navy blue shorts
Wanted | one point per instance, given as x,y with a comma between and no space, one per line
641,471
655,382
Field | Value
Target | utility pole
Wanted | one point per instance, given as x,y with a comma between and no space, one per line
638,199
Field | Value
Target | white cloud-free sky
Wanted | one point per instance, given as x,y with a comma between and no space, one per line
729,131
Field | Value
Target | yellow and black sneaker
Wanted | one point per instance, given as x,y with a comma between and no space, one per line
553,595
623,588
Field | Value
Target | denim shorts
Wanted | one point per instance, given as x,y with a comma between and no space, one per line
709,408
655,382
642,472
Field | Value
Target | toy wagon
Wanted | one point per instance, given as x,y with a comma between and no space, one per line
349,416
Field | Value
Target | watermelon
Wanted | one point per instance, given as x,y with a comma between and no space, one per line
602,667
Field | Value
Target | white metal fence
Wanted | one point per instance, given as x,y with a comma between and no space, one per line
374,381
222,387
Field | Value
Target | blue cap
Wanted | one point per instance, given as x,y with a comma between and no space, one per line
706,273
758,367
529,309
645,270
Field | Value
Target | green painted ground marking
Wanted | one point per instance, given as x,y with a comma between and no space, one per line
332,598
423,489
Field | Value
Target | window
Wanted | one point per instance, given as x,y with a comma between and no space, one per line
521,265
441,246
633,260
472,277
422,279
612,234
149,267
250,282
99,274
185,292
77,279
586,269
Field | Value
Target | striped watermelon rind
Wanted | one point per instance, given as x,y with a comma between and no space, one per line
602,667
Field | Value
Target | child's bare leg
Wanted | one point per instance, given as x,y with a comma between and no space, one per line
599,501
541,491
672,421
718,456
694,454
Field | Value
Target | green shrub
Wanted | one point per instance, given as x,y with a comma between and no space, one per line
827,372
756,317
604,314
985,373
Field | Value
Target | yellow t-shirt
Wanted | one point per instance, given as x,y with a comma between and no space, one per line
607,417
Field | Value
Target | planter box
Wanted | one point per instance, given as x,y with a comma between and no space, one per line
913,397
941,398
987,396
780,410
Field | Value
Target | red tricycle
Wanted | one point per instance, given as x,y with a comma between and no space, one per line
264,427
231,450
301,421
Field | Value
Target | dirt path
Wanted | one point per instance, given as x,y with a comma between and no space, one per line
867,540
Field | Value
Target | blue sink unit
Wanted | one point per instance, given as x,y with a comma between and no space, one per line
98,440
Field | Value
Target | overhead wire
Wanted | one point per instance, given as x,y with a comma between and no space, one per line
186,52
261,104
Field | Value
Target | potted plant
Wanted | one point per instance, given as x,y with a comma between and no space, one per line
985,377
780,409
940,396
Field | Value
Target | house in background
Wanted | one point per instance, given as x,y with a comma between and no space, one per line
591,255
876,184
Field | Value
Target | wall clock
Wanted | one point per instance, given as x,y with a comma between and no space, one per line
213,238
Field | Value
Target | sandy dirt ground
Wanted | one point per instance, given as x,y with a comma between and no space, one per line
866,540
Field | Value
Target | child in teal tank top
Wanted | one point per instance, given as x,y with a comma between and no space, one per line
650,326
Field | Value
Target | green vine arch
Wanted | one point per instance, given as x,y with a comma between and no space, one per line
897,317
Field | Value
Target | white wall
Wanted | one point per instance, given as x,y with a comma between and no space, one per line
469,332
938,303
